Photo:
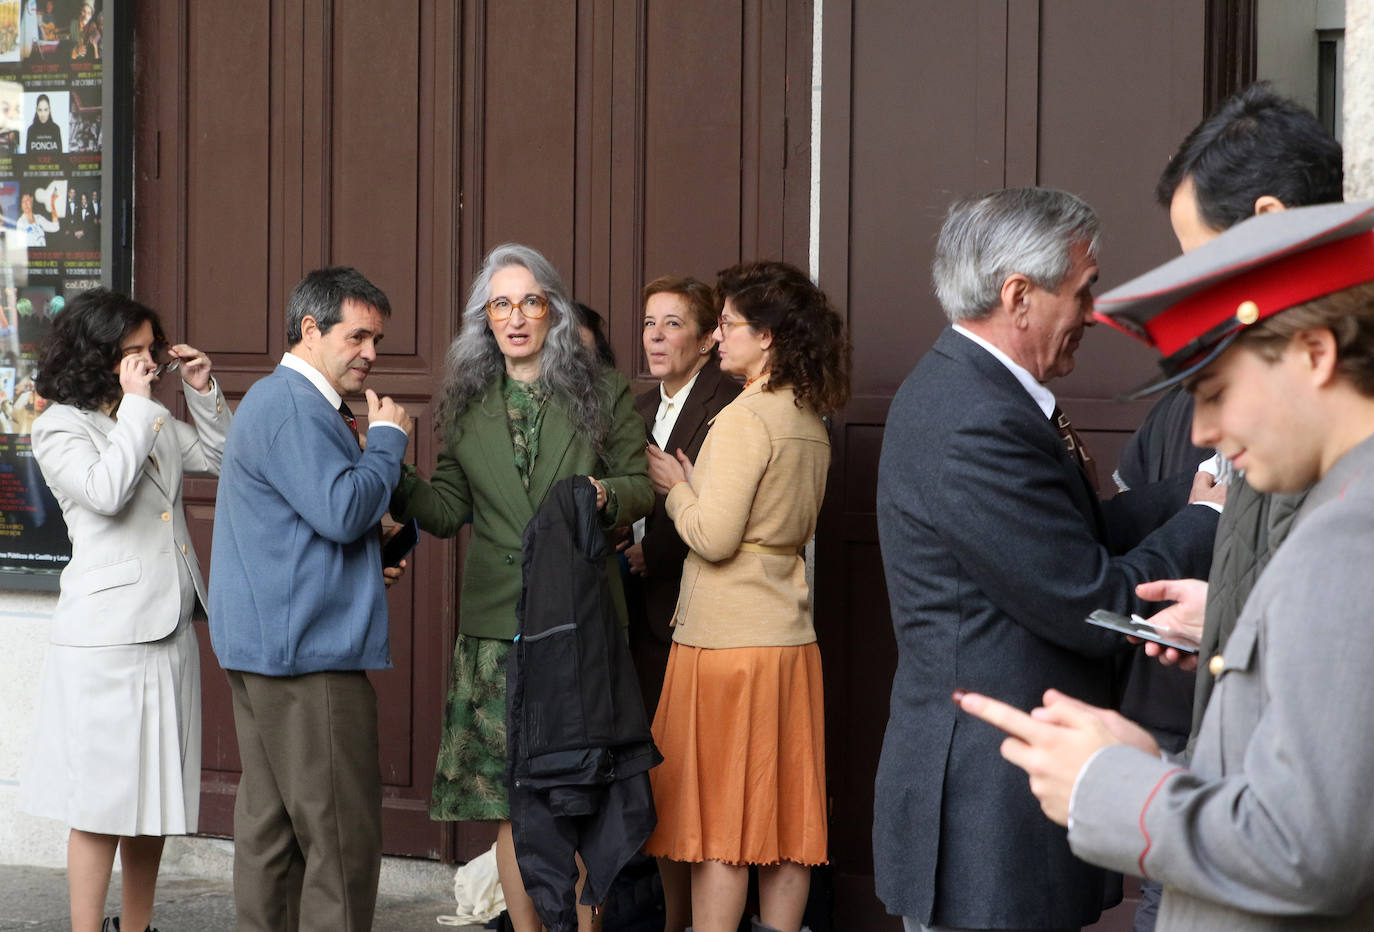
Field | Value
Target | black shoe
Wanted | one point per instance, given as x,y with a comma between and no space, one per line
111,924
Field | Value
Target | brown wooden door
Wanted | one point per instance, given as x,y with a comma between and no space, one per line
407,138
923,102
656,138
624,139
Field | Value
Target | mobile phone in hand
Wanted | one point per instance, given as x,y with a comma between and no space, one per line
1138,627
401,543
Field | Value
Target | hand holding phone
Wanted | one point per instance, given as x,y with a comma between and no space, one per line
1135,626
401,543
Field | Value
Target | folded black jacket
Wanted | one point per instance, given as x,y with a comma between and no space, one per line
578,742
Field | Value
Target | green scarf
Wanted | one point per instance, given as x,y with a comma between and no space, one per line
524,414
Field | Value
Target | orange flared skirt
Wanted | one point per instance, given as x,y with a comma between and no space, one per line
742,732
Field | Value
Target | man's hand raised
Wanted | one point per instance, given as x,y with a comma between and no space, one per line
384,409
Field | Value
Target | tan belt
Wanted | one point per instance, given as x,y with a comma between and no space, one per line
771,551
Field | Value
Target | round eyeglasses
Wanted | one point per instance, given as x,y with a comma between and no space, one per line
533,306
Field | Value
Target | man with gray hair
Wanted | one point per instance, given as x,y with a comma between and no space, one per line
298,613
996,548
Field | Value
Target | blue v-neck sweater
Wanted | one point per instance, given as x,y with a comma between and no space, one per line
295,574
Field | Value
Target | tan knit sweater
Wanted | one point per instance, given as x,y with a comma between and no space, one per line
759,479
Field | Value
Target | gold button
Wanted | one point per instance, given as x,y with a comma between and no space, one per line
1247,312
166,516
183,548
157,427
1215,664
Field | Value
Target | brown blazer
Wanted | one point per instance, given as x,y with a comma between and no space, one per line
664,552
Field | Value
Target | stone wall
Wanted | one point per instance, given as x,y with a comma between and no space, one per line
1359,100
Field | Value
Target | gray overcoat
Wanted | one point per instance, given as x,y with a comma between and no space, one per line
1271,827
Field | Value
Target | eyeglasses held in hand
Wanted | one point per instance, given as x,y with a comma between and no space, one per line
533,306
171,365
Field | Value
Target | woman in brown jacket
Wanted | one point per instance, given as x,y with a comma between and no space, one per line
680,315
740,719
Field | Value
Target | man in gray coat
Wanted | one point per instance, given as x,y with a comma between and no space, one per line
1256,153
1271,327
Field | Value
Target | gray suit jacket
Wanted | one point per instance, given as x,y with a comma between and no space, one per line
1270,828
124,514
995,549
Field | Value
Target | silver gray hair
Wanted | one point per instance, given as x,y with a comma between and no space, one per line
567,369
987,237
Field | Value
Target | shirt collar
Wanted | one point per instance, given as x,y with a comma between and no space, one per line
682,393
1042,396
297,364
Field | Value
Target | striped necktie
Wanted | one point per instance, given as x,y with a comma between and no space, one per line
1074,444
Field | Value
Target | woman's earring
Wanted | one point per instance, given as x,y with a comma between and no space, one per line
705,350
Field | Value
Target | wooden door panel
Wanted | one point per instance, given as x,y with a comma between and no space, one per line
528,128
925,128
374,204
924,102
264,165
227,200
624,140
1107,141
692,90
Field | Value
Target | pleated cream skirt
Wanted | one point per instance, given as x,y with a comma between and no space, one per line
117,749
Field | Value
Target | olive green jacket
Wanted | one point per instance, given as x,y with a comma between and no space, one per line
475,480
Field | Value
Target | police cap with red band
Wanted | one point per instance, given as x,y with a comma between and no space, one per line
1192,307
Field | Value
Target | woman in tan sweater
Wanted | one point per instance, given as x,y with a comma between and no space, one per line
740,719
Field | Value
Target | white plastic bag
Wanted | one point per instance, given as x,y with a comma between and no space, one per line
477,888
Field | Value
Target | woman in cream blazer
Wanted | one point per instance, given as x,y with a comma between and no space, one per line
740,720
117,752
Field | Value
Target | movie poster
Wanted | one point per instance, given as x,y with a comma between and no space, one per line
51,153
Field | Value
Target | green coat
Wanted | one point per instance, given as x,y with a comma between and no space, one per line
475,480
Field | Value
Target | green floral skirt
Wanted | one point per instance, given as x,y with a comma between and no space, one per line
471,768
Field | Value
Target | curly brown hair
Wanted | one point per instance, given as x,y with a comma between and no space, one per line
81,357
810,350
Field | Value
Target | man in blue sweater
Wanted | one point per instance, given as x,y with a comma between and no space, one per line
298,613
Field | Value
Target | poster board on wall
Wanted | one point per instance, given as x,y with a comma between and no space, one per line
59,165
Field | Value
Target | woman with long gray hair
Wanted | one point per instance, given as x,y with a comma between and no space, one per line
524,404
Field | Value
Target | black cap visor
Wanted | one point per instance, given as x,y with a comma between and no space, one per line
1190,360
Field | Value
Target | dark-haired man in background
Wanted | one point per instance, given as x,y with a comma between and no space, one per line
298,613
1257,152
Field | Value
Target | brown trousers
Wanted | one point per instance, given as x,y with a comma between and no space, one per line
308,817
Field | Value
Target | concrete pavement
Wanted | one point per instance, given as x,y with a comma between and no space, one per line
34,899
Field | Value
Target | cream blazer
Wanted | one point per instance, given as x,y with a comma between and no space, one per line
758,482
124,513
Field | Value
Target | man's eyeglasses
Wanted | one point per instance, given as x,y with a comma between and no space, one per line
533,306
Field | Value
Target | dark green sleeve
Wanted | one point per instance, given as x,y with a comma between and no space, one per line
629,495
443,504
